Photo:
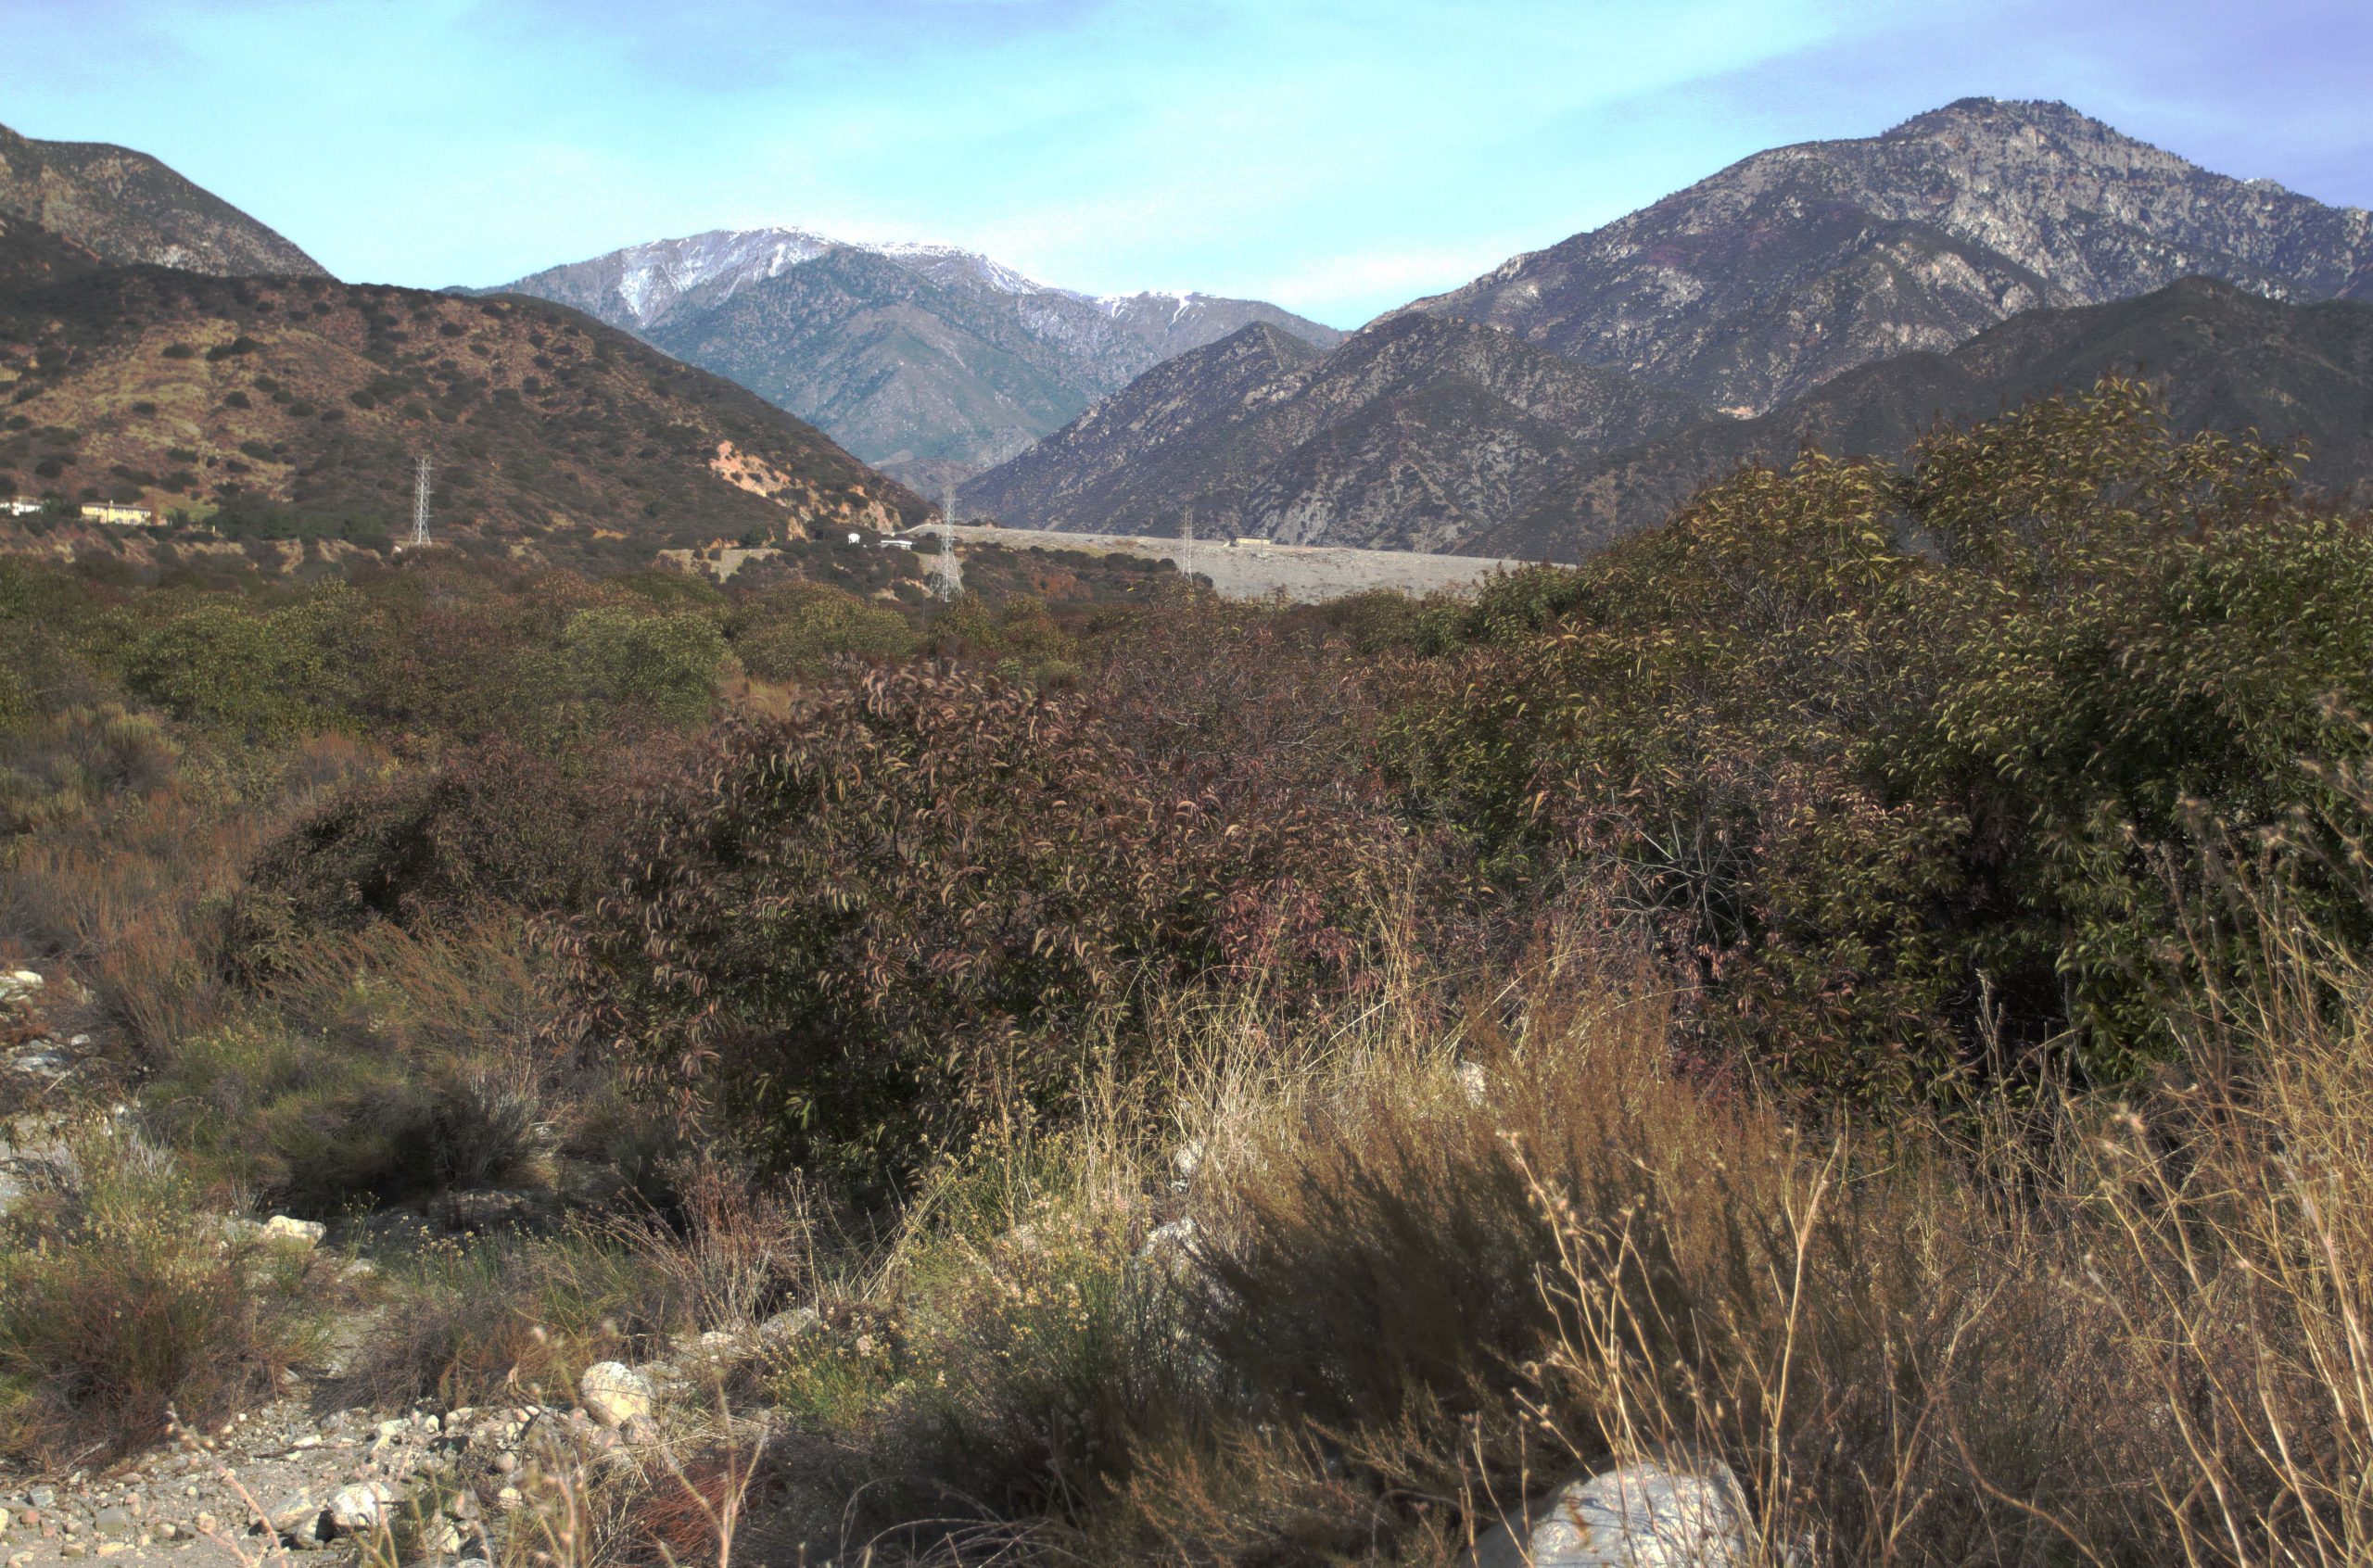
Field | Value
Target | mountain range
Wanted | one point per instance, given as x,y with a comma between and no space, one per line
1708,318
156,343
1765,280
164,349
1417,434
931,361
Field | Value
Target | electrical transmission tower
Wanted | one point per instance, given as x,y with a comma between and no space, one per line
945,576
420,505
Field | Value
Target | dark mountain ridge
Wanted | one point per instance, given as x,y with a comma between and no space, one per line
2224,359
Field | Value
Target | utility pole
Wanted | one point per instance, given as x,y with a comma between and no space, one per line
420,505
1187,544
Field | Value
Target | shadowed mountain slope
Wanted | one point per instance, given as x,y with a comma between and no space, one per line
1413,435
2223,359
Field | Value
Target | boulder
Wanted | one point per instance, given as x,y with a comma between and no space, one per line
307,1232
614,1393
359,1509
292,1511
1691,1514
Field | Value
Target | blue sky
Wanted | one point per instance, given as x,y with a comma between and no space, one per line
1336,156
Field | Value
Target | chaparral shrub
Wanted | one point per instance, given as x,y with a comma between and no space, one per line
919,904
1888,760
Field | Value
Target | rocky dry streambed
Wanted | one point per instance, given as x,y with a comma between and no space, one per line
473,1485
416,1485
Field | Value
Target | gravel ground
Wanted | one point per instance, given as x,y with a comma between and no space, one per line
1304,574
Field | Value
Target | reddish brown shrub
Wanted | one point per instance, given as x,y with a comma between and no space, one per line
922,905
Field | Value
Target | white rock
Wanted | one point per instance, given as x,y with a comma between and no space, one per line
1638,1516
1188,1159
717,1347
280,1227
784,1327
1473,1082
614,1393
361,1506
1170,1248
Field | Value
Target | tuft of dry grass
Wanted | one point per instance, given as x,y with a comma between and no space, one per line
2103,1332
121,1303
122,887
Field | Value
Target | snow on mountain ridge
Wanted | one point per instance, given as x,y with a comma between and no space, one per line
906,352
652,276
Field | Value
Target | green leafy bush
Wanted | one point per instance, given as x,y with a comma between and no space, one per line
795,631
1897,764
222,664
668,663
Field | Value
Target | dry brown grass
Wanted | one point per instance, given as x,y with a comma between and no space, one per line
121,1304
2123,1333
121,889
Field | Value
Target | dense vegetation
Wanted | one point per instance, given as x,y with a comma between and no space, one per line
1866,980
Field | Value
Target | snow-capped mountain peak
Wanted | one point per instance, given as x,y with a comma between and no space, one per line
909,353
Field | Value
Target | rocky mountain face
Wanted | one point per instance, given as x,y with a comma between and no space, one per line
1416,434
933,362
1757,284
1842,293
304,395
125,207
2224,359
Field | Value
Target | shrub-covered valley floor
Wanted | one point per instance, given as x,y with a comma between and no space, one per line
1864,987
